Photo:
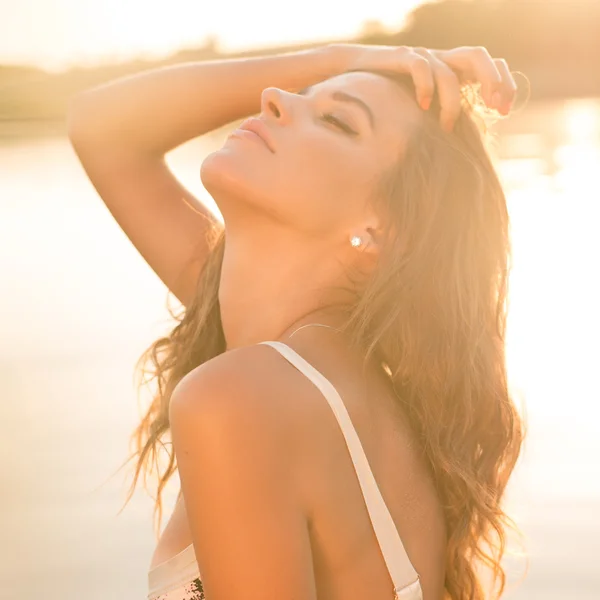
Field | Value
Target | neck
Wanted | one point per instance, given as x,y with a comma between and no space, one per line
268,290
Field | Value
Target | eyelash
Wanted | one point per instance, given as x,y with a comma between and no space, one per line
328,117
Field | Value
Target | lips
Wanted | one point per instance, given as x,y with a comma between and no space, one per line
258,127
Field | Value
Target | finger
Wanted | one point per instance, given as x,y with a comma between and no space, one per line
475,63
448,88
509,87
420,70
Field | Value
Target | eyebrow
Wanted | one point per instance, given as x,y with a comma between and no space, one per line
344,97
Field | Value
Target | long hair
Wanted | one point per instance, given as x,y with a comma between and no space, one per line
433,315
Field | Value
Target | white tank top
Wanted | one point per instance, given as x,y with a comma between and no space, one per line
179,578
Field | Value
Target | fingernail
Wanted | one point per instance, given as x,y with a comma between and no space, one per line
496,100
425,103
506,108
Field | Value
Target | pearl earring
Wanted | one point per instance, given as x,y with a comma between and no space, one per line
356,241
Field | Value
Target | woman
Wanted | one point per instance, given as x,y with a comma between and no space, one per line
366,259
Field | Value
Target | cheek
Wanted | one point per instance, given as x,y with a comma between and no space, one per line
327,177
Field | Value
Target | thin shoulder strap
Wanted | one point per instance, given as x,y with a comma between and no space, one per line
403,574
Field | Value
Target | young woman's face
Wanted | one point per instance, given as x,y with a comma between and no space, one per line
326,149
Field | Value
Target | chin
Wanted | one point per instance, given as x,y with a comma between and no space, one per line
230,181
219,175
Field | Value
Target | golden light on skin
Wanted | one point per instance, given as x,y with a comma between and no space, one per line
85,32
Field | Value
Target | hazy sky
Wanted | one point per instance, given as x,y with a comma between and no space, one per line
56,33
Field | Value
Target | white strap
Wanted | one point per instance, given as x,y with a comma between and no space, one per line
403,574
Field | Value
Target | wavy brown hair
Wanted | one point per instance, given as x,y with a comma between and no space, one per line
433,314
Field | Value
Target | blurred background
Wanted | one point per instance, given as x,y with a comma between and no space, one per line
78,304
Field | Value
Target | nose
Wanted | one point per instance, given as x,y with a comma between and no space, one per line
276,104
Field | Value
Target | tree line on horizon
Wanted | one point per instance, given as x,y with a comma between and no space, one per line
555,43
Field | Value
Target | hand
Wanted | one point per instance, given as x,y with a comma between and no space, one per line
446,69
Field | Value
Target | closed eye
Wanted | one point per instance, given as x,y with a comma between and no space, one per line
329,118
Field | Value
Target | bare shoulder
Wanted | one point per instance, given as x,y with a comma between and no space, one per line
249,388
232,431
245,379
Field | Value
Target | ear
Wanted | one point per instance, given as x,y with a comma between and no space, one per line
372,236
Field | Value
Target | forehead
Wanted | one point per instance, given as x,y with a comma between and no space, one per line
390,103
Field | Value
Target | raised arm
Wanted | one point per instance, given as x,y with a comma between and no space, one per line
122,130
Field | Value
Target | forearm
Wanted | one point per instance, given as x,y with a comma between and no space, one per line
159,109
